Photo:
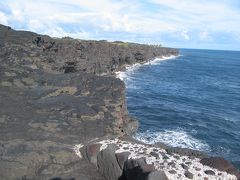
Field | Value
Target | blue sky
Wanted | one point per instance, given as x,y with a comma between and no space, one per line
201,24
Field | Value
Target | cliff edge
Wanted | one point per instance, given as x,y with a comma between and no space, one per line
55,93
63,114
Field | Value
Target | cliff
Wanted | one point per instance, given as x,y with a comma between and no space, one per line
71,55
63,113
55,93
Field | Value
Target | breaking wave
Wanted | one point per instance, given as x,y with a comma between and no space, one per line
175,138
130,69
190,101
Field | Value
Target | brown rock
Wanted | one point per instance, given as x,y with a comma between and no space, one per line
92,151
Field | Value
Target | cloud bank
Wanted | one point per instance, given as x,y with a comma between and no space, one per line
210,24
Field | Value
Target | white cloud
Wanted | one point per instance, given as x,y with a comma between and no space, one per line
185,35
180,20
108,15
214,14
54,30
205,36
3,18
111,16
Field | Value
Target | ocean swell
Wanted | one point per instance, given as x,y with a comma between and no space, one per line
125,76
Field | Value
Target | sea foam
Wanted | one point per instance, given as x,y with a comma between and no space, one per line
175,138
130,69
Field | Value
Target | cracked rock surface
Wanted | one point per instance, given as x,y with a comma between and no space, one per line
55,93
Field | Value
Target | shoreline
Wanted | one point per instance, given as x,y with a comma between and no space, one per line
135,66
54,97
123,75
131,68
169,163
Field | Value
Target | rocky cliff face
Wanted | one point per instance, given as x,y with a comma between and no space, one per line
70,55
55,93
59,99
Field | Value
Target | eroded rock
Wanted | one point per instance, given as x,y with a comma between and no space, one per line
107,163
157,175
220,164
122,158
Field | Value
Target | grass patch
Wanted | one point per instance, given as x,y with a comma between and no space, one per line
123,44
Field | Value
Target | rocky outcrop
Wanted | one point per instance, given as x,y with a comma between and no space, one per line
220,164
59,95
115,165
41,122
68,55
108,164
118,158
55,93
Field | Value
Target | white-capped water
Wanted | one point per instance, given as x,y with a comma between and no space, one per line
175,138
198,91
130,69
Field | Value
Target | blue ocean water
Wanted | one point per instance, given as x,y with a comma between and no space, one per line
190,101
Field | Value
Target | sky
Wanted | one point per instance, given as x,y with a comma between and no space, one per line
197,24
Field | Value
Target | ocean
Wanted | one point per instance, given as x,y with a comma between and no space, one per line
190,101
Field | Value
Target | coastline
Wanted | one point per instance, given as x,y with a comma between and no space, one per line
133,67
178,133
122,75
58,107
159,161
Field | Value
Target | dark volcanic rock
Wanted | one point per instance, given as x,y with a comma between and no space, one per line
98,57
172,172
53,97
157,175
156,155
220,164
121,158
22,159
188,174
137,169
107,163
181,151
209,172
184,166
185,152
118,166
172,164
